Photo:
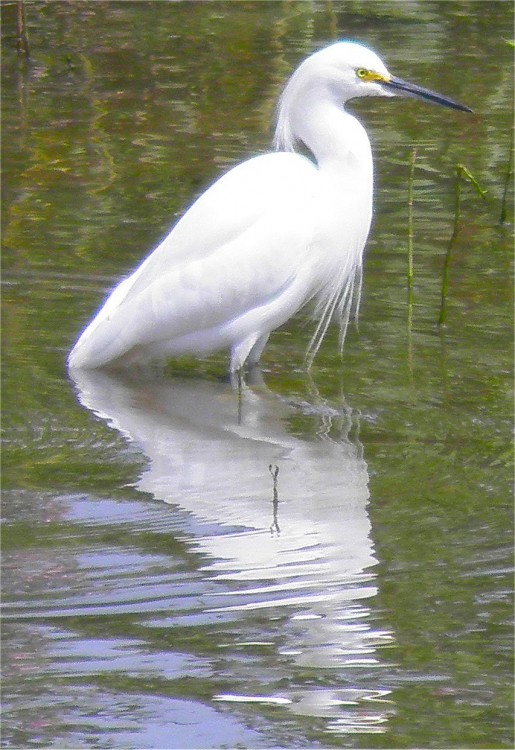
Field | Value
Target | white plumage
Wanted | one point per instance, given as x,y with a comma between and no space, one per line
267,237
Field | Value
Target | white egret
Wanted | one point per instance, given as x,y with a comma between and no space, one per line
270,235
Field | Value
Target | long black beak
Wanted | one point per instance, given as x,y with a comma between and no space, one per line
418,92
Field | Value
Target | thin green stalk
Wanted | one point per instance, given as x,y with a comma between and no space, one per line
410,264
447,262
509,171
409,271
22,35
508,180
461,171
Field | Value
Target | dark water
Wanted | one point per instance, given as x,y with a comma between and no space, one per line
163,586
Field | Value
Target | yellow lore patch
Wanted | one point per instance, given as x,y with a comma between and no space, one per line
371,75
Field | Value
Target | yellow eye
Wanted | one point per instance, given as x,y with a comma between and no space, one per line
362,73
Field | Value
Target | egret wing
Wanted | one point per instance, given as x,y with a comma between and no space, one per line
239,245
225,211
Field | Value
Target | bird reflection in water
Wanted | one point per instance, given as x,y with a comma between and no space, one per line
310,570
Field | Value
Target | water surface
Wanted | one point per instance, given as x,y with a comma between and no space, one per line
325,561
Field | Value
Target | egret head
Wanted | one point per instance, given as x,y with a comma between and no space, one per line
357,71
337,74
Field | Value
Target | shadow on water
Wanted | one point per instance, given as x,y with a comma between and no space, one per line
283,529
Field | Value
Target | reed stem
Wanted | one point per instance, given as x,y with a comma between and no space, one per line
508,180
409,271
461,171
22,35
410,264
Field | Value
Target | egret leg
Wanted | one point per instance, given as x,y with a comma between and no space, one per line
238,382
248,351
257,350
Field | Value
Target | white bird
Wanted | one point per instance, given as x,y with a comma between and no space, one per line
270,235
